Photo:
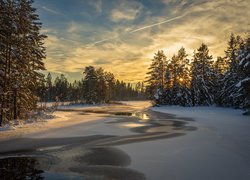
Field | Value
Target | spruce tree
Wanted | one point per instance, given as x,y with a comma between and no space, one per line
219,68
202,74
101,85
243,85
49,87
231,77
178,68
157,77
90,81
110,81
22,53
61,88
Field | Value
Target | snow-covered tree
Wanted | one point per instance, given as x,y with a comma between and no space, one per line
178,68
22,53
157,77
243,85
219,68
201,77
7,28
231,77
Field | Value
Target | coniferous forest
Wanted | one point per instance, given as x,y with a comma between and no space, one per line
22,83
203,80
96,86
124,89
21,58
179,80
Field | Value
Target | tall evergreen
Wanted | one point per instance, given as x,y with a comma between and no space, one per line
157,77
178,67
22,53
243,85
110,81
91,83
61,88
101,85
219,68
201,75
49,87
231,77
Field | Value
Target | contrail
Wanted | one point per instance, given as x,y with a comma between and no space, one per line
101,41
133,31
156,24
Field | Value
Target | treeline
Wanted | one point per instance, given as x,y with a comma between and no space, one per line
202,80
21,58
96,86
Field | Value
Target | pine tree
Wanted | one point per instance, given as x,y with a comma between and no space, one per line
49,87
157,77
22,55
243,85
201,74
7,16
32,53
219,68
90,81
178,68
101,85
231,77
110,81
61,88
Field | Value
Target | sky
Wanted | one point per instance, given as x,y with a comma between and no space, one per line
122,35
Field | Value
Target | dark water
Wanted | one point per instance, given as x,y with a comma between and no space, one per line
90,157
91,163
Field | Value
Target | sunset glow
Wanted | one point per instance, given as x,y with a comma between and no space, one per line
122,36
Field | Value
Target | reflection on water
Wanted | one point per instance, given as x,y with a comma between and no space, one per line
153,122
98,163
105,156
144,117
105,163
132,125
20,168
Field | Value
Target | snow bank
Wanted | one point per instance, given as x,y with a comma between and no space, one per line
203,113
218,149
78,106
6,128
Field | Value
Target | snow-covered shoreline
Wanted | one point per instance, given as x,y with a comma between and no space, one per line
65,116
202,112
217,148
61,118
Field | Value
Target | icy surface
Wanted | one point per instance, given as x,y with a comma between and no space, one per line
219,149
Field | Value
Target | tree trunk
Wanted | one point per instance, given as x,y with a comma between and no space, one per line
15,104
1,119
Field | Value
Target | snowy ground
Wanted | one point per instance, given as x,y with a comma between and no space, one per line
69,116
203,143
219,149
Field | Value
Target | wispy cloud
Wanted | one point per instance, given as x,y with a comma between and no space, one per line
126,10
97,4
55,12
129,43
134,30
51,10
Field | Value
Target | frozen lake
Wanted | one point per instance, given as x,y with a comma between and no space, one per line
130,141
